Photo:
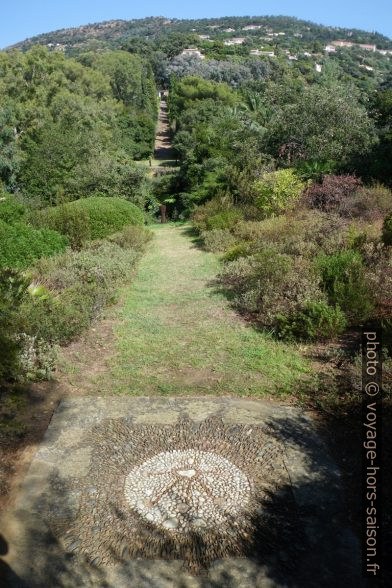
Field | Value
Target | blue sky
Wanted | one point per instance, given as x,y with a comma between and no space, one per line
24,18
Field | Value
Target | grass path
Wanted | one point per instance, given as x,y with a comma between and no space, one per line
177,335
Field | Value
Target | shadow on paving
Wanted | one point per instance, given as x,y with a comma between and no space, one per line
301,537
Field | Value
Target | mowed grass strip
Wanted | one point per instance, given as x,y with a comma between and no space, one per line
178,335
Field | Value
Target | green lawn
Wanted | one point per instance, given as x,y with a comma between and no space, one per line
178,335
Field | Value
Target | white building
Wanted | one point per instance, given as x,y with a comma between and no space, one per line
261,53
318,67
235,41
194,52
349,44
329,49
252,27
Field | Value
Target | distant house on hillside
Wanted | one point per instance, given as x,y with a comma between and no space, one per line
229,30
342,43
318,67
235,41
204,37
252,27
350,44
194,52
330,49
368,47
261,53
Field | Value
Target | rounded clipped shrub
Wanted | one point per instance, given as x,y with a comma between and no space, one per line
316,321
21,245
91,218
11,211
387,230
68,220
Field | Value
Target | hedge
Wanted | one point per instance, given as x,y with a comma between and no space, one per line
90,218
21,245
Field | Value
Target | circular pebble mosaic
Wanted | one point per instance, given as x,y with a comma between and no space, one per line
190,491
183,490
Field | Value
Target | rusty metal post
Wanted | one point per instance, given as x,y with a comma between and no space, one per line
162,209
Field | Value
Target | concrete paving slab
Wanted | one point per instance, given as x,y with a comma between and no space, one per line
180,492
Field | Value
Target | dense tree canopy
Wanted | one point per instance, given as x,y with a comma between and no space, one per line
68,128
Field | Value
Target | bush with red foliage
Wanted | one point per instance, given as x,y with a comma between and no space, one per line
333,194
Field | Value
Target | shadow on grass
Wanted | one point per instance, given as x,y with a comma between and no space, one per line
190,232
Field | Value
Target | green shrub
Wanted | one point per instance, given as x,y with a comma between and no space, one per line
62,317
211,208
315,321
237,251
304,233
72,289
91,218
223,220
21,245
10,210
13,287
387,230
270,283
217,240
132,237
101,263
71,221
278,191
344,281
370,204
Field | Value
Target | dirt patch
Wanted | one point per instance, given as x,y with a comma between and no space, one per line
26,411
25,415
83,365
